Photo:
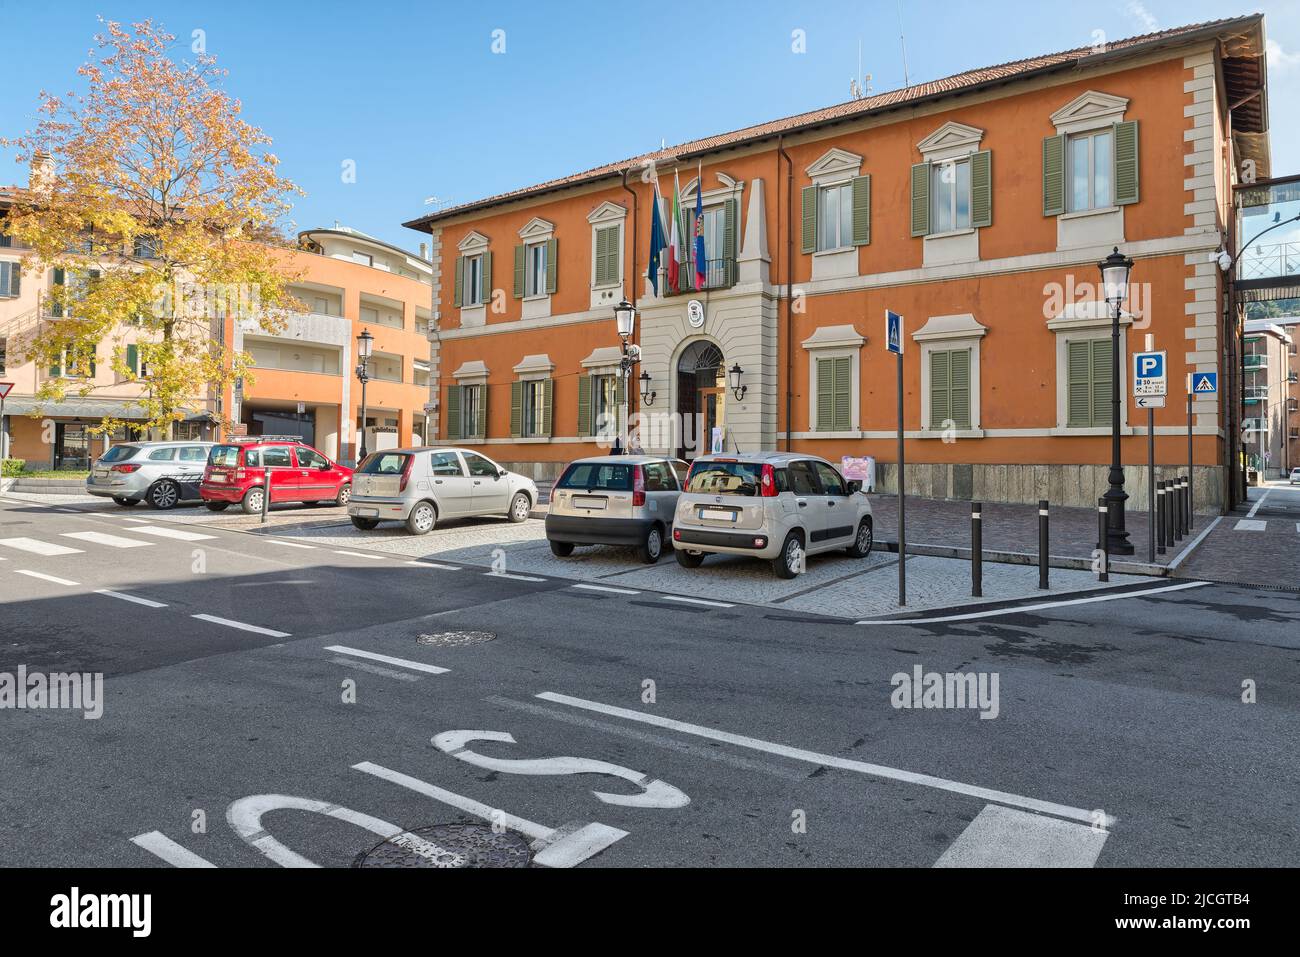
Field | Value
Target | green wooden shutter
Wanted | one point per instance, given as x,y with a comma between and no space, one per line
60,277
133,359
480,417
485,289
810,219
552,263
1078,384
861,210
825,395
921,199
520,252
981,189
548,419
959,399
730,220
606,255
1054,175
453,411
460,281
843,415
56,370
584,404
1126,163
1101,379
620,392
940,388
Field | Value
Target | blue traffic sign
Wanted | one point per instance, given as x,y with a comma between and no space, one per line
1205,383
1148,374
894,332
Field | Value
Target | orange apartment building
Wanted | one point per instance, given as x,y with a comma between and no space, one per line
977,206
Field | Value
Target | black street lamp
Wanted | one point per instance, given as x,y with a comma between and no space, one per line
365,343
625,322
647,396
1114,280
736,372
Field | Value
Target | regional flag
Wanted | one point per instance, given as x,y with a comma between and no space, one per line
701,264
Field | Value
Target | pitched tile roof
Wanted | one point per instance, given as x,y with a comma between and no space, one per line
960,82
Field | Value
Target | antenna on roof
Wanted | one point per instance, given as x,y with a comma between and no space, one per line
858,90
436,201
907,80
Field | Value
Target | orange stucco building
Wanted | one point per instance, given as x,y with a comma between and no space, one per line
978,207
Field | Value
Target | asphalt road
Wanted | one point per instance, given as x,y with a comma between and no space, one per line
1121,737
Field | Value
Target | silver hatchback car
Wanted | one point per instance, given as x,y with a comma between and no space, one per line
163,474
781,506
421,486
615,500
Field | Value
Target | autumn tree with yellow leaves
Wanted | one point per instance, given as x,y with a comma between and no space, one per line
158,211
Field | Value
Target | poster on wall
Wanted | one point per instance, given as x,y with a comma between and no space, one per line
859,469
715,441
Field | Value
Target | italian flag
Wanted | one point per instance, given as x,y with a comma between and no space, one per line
675,242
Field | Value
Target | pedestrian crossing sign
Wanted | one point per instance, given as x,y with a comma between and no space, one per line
894,332
1205,383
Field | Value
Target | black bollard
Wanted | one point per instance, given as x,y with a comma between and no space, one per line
1104,545
1042,543
976,551
1160,518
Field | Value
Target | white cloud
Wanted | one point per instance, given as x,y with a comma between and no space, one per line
1279,59
1138,11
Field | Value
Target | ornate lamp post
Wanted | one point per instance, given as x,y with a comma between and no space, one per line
365,344
1114,279
625,321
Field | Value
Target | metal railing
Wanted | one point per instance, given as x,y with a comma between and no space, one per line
1275,260
718,274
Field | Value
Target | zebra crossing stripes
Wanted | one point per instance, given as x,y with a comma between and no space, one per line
37,547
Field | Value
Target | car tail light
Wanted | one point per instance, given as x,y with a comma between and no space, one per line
638,485
406,473
677,534
768,482
125,469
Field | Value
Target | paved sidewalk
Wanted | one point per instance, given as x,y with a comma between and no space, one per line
1258,544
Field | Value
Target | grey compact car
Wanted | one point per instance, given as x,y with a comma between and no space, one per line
781,506
615,500
421,486
163,474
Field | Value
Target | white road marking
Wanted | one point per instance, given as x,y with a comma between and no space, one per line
139,601
281,541
1251,525
1047,604
160,845
654,793
1258,503
175,533
614,591
37,547
103,538
131,518
256,629
387,659
437,565
697,601
835,761
44,577
559,847
1005,837
518,578
374,669
339,551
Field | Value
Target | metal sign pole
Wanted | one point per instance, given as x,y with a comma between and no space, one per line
1191,512
1151,486
902,518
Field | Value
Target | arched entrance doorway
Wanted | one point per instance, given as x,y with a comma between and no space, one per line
701,396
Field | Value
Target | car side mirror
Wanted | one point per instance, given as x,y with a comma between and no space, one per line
502,473
855,486
324,468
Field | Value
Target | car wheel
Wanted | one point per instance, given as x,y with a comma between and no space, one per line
126,502
862,542
345,495
217,506
561,549
422,519
365,524
651,548
163,495
520,506
689,559
252,503
791,560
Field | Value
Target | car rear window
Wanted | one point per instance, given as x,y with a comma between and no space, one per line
119,453
597,475
225,456
725,478
383,463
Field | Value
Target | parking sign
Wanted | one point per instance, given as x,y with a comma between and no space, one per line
1149,374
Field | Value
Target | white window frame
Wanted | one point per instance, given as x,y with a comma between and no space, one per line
945,334
535,270
471,288
831,342
937,173
1087,319
532,398
603,216
844,232
1071,143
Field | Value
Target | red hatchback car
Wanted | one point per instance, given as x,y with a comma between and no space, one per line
236,472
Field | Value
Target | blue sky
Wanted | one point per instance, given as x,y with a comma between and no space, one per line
414,94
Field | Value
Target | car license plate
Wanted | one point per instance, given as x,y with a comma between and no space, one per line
367,513
718,514
588,501
216,478
101,473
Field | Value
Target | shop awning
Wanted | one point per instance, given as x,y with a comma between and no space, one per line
75,407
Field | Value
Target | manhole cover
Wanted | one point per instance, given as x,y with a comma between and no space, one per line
449,845
454,639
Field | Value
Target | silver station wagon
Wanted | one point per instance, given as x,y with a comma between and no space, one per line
421,486
781,506
163,474
615,500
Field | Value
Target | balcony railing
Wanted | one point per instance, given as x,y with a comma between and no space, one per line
1255,361
718,274
1276,260
1256,394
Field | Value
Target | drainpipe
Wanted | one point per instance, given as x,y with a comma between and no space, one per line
789,278
630,388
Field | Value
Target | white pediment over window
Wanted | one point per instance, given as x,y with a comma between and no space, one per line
1089,111
835,162
539,364
1086,312
959,326
950,141
730,187
472,369
474,242
536,229
603,356
607,212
